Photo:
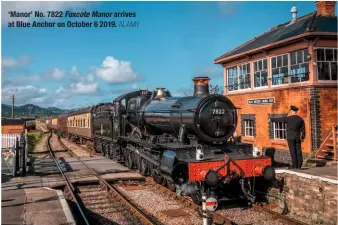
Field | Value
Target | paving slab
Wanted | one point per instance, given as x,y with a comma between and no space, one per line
46,206
100,164
77,172
34,205
12,206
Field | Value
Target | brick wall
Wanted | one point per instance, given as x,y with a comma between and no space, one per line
328,110
310,200
300,98
318,108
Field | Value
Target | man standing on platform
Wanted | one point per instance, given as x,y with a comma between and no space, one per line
295,135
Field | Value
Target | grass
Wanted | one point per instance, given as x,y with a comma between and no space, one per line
34,137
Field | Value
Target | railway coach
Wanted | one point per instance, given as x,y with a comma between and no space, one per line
79,127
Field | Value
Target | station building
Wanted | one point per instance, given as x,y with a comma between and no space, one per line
294,63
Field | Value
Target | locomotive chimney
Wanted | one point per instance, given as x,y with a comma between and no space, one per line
160,93
201,86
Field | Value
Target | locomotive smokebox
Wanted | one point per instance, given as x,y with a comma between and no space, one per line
201,86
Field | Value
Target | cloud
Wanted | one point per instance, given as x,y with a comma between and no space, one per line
43,7
82,88
74,71
24,94
57,74
114,71
227,8
11,63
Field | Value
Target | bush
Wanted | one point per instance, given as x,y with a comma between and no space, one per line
33,139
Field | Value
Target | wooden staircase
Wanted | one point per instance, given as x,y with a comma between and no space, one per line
328,149
327,152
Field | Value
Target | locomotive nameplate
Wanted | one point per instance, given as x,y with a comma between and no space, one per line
261,101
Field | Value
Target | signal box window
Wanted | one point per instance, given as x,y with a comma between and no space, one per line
279,66
299,66
239,77
327,63
290,67
277,130
261,73
248,125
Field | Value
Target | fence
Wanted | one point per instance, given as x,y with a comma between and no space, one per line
14,153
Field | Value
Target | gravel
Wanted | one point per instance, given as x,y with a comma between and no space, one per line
247,216
78,150
154,203
57,148
102,209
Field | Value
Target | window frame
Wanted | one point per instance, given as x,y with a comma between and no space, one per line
267,71
238,75
289,68
274,130
317,67
252,128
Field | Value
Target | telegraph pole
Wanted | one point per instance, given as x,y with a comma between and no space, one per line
12,106
30,110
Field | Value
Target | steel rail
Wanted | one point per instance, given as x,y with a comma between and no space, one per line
68,183
287,219
114,191
220,219
217,218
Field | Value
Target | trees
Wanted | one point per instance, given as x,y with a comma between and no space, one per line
213,89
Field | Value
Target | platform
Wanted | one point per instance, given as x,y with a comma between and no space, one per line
30,199
24,201
326,173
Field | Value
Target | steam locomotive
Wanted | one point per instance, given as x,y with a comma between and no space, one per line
185,143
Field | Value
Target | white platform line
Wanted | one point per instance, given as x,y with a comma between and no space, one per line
308,176
65,207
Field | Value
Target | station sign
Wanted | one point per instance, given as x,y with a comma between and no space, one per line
261,101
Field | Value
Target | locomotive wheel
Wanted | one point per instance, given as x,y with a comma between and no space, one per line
157,177
171,186
143,167
129,161
196,198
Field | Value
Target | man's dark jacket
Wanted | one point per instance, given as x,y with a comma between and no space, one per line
295,126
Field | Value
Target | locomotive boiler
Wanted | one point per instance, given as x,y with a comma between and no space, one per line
210,118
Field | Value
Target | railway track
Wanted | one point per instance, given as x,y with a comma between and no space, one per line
221,219
217,217
102,203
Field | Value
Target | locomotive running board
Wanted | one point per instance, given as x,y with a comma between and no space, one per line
136,151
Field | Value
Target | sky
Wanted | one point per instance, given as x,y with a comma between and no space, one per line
174,41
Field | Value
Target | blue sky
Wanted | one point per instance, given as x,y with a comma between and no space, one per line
175,41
